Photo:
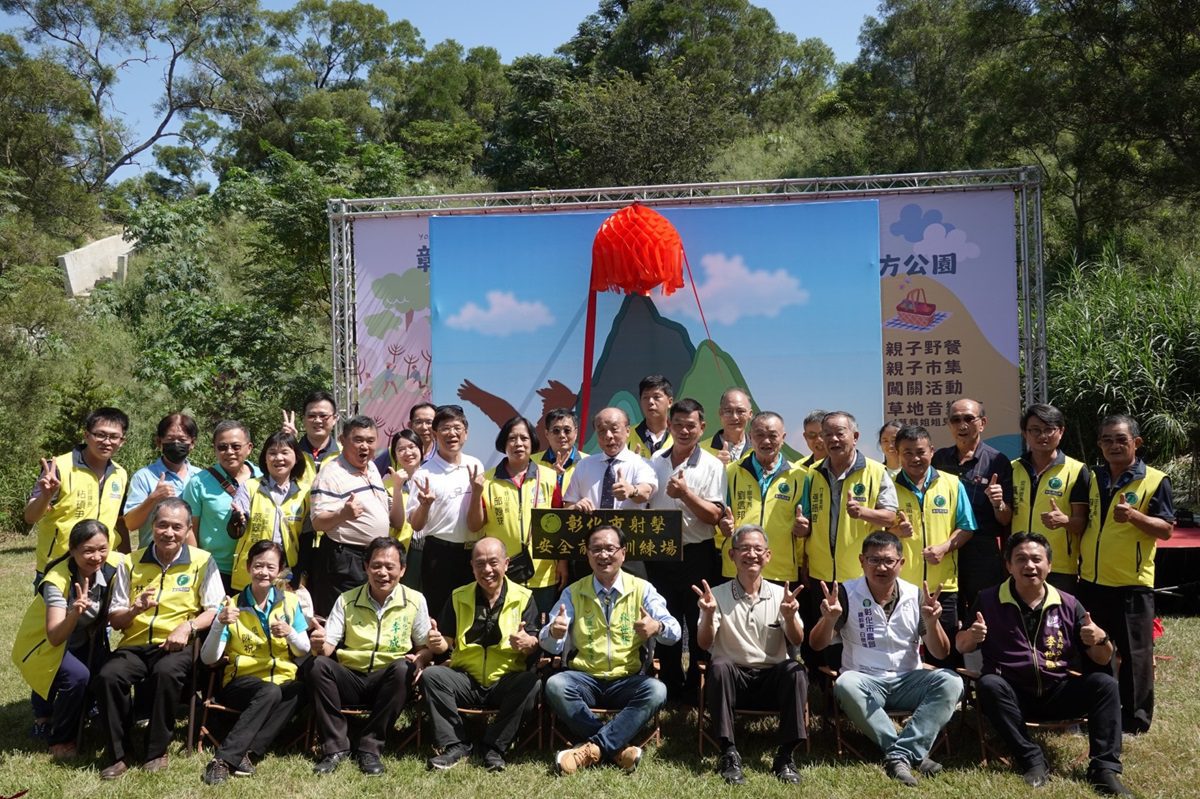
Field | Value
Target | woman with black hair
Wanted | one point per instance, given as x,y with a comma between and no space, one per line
278,505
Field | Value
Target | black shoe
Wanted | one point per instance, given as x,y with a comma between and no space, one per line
929,768
216,772
784,769
1036,777
730,768
331,761
899,770
450,757
40,730
1105,781
370,764
245,768
493,761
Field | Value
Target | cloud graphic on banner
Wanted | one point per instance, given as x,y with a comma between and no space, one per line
503,316
730,290
940,241
914,223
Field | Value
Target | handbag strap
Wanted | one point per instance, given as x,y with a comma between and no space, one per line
220,477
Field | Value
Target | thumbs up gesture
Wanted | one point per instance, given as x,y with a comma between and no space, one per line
560,624
903,527
435,640
229,612
1090,632
726,522
995,492
622,489
352,509
646,627
707,602
978,629
854,508
725,456
316,636
163,489
1123,512
522,641
1054,518
677,486
801,527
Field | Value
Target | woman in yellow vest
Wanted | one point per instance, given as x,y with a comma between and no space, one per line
59,643
405,449
278,505
504,506
262,632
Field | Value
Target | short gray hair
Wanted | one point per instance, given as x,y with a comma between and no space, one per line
745,530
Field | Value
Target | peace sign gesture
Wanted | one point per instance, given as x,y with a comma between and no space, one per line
477,477
930,606
790,605
560,461
48,481
424,495
831,605
289,423
82,600
708,602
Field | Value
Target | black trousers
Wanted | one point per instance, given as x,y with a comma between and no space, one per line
810,613
444,567
265,709
1094,695
1126,613
164,674
446,690
782,688
335,568
332,686
980,566
674,580
949,624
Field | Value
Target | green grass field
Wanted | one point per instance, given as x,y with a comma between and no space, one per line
1160,764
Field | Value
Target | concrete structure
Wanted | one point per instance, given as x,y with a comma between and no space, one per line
104,259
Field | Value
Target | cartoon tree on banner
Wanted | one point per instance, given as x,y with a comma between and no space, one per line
402,295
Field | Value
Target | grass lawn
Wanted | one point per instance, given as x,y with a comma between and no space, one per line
1162,763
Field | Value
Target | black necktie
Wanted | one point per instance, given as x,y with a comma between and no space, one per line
606,487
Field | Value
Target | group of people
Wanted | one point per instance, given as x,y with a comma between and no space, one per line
336,575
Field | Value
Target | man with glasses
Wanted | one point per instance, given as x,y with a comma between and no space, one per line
211,495
81,484
882,621
602,623
318,444
420,421
561,454
1131,510
1050,492
987,475
730,443
750,626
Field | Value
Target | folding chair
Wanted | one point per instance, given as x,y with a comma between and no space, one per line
654,727
899,717
971,697
702,734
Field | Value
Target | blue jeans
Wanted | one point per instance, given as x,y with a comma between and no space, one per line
929,694
571,694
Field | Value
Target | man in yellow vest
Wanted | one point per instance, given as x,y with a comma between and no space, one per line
366,656
487,627
812,437
732,441
81,484
934,521
1131,511
603,622
162,597
655,395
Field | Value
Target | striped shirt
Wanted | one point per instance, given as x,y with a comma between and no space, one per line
332,488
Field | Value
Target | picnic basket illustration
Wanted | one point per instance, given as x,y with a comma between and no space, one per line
915,310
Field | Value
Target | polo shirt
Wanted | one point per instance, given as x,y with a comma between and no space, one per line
704,474
332,488
975,475
210,508
451,487
749,630
144,481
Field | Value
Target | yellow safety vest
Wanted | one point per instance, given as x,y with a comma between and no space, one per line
487,664
33,654
775,513
1056,483
607,649
252,650
1117,553
180,587
509,511
311,466
716,445
261,526
839,560
638,445
372,641
81,495
933,523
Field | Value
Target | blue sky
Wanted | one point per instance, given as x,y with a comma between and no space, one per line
514,28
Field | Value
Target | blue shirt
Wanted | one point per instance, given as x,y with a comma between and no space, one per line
246,601
964,518
210,506
143,482
652,602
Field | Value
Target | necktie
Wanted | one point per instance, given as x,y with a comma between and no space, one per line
606,599
606,486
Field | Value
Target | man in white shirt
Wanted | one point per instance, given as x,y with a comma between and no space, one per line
442,489
692,481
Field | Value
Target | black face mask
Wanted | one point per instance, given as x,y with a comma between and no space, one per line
176,451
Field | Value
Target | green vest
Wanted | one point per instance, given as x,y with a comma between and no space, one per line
80,496
775,513
33,654
487,664
837,559
1119,554
252,650
261,527
1056,483
933,524
179,593
607,649
372,641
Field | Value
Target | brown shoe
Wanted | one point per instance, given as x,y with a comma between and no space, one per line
155,765
568,761
115,771
628,758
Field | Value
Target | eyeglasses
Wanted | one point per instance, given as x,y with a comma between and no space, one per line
113,437
452,429
965,418
735,411
1038,432
231,447
562,431
888,562
609,550
420,422
318,417
750,550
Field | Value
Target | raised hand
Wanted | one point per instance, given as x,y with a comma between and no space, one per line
930,606
790,605
316,637
229,612
48,481
162,489
521,640
353,508
289,423
560,462
831,605
725,456
621,489
477,478
726,522
646,627
1090,632
424,495
398,477
707,602
560,624
1123,511
146,600
903,527
801,527
978,630
1054,518
854,508
435,639
677,486
995,492
82,600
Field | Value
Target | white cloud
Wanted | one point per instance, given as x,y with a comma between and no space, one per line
503,316
937,241
730,290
